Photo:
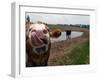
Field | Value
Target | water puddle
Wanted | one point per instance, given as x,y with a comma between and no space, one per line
74,34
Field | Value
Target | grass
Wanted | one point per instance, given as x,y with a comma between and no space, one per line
78,55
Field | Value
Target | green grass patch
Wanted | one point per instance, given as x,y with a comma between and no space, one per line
77,55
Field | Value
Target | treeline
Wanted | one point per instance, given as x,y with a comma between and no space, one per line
68,25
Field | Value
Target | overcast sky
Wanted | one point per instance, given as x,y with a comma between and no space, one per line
59,19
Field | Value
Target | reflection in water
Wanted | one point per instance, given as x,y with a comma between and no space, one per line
74,34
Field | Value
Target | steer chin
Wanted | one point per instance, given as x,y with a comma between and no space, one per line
37,56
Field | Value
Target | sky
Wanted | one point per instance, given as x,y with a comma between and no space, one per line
59,18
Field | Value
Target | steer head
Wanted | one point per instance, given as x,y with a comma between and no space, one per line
38,35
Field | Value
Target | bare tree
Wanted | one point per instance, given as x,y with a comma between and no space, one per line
27,19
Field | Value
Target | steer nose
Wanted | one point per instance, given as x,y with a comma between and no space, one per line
40,34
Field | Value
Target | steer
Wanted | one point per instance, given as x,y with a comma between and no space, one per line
38,43
68,34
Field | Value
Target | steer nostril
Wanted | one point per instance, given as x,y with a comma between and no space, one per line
45,31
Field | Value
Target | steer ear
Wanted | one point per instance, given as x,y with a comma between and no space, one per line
55,33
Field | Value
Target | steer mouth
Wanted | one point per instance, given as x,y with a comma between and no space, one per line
40,45
45,41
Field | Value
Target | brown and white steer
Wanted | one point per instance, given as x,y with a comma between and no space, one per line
38,43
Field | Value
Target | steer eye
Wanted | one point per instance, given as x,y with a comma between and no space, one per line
30,29
33,30
45,31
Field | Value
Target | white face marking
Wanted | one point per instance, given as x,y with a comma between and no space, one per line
38,26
